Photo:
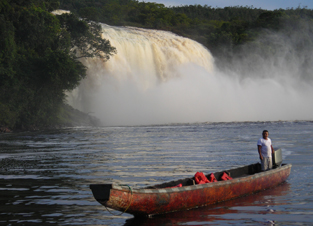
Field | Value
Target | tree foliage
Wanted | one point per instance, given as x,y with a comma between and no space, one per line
222,30
39,60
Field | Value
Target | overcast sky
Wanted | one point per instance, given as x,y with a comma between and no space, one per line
264,4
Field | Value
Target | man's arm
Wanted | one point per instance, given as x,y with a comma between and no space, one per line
259,149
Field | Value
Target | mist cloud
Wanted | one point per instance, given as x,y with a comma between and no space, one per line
159,78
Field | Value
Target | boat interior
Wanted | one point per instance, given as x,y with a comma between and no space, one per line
233,173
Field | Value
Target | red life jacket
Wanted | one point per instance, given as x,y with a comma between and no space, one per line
212,178
225,176
177,186
200,178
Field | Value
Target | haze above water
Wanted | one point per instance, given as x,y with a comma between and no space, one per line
157,77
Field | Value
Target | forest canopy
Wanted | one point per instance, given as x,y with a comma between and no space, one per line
221,30
39,62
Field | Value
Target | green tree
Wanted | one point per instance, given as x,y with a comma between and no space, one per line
85,38
39,60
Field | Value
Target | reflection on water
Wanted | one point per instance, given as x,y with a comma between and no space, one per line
45,176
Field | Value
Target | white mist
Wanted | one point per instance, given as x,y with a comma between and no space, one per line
157,77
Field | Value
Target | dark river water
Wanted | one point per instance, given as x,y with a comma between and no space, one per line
45,175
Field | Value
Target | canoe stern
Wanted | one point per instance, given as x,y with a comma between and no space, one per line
101,192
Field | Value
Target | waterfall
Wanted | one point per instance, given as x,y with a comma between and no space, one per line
157,77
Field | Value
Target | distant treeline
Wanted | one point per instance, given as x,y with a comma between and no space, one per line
221,30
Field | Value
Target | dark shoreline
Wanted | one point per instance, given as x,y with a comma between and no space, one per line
69,117
4,129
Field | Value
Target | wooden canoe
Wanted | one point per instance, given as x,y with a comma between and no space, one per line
160,199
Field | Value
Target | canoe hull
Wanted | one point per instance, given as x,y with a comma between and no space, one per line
145,202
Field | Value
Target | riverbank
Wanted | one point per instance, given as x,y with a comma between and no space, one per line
4,129
68,117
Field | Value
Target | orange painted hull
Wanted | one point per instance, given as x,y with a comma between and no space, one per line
152,201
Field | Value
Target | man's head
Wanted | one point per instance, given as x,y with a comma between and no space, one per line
265,134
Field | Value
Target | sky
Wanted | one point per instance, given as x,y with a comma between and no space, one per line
264,4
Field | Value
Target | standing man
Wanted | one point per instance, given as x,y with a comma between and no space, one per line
265,149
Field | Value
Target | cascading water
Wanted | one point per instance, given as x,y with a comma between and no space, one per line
157,77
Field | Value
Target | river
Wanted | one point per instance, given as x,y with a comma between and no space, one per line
45,175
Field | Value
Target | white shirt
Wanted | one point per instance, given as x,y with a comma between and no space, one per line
266,149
